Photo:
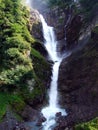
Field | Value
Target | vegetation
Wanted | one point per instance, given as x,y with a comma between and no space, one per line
12,100
14,42
92,125
18,79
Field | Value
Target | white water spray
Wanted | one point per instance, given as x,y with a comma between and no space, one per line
28,3
53,107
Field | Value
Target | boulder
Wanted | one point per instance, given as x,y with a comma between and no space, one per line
40,121
58,114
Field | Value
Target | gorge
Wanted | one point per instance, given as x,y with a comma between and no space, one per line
50,111
49,65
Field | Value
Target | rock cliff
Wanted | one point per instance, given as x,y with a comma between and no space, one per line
35,25
78,83
58,17
73,29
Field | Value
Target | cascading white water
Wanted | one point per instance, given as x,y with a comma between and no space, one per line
28,2
53,107
50,41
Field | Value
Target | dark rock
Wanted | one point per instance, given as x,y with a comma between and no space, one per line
58,114
20,126
37,31
73,30
12,124
57,17
40,48
61,47
30,114
78,84
40,121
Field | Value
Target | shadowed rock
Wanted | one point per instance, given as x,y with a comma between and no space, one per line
78,84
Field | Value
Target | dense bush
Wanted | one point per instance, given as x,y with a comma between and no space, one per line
15,42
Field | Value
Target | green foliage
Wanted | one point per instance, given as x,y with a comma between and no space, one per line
13,76
15,42
92,125
41,65
16,65
13,100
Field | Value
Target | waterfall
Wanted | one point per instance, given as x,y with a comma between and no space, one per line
53,106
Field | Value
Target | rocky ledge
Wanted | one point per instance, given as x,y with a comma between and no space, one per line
29,115
35,25
78,84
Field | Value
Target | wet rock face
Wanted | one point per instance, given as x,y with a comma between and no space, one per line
40,121
35,25
73,30
57,18
30,114
78,83
40,48
10,122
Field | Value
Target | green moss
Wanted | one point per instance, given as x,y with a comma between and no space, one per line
92,125
31,95
41,67
96,29
12,100
36,54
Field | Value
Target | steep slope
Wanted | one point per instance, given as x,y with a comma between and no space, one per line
24,72
78,83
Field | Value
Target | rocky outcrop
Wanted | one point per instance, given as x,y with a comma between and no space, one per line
78,84
30,114
57,17
11,123
65,23
35,25
73,30
40,48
